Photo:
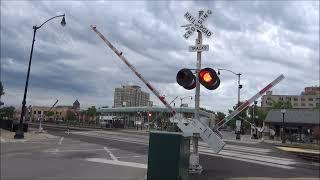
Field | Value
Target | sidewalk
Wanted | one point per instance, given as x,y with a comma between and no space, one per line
31,135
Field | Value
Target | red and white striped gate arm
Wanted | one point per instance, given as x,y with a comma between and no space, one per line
248,102
154,91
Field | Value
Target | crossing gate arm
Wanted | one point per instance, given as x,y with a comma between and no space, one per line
248,102
121,56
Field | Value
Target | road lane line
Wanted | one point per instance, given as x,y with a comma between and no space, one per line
120,163
110,154
60,140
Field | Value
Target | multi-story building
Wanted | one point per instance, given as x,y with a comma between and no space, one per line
58,112
310,98
131,96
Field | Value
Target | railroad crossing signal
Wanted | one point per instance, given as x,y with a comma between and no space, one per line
186,79
207,77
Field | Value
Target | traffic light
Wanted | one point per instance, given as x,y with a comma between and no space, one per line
186,79
209,79
149,114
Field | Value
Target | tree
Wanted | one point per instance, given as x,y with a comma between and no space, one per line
7,111
50,113
1,89
281,105
71,116
92,111
220,116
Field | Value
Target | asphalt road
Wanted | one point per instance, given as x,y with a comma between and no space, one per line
107,155
237,160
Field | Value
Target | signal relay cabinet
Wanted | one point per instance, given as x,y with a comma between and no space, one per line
168,156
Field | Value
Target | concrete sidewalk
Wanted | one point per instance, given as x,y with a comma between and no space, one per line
31,135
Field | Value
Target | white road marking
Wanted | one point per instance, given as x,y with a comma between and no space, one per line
237,152
110,154
73,150
60,140
129,156
116,162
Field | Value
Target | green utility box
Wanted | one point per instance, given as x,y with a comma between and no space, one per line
168,157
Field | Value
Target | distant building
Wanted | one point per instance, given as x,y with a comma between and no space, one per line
310,98
297,121
131,96
59,112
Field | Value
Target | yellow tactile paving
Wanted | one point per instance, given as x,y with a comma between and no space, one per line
291,149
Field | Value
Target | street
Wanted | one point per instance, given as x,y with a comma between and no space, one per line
123,155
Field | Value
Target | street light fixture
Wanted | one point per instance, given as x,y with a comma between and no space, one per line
182,98
283,111
19,133
239,87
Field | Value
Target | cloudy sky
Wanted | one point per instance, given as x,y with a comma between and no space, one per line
259,39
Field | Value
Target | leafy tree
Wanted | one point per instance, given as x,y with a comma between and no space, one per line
281,105
1,89
220,116
50,113
92,111
7,111
71,116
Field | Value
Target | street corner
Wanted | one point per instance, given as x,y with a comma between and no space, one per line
31,136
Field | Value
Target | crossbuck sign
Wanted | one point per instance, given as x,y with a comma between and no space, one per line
197,24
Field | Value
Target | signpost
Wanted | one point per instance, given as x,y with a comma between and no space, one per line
197,25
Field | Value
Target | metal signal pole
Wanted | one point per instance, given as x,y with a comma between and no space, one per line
195,166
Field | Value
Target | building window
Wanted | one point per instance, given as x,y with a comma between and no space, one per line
34,112
288,98
295,99
318,104
310,99
60,113
281,98
295,104
310,104
303,99
269,98
303,104
39,112
45,112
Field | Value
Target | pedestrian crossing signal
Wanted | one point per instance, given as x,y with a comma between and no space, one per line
209,79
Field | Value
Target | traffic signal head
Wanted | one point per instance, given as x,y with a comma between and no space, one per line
186,79
209,79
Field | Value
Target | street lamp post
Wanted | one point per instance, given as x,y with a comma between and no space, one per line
182,98
239,87
283,111
19,133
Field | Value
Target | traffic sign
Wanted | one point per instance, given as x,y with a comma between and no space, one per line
197,24
199,48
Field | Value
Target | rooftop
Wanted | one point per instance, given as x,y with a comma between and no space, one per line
304,116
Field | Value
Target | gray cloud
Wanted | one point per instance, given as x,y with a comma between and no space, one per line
260,39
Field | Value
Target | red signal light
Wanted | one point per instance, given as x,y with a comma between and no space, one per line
209,79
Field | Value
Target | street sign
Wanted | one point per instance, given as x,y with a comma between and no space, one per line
197,24
199,48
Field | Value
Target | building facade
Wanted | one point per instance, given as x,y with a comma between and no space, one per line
308,99
57,113
131,96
